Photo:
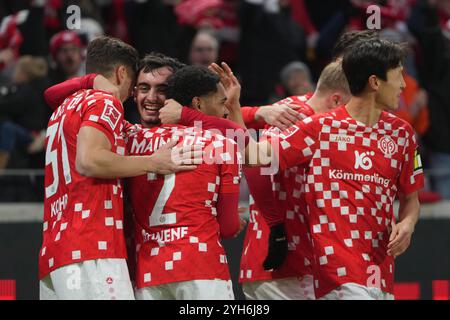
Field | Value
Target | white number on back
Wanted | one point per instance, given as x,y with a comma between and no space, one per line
157,217
51,156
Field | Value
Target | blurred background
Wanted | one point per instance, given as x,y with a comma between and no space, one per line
276,47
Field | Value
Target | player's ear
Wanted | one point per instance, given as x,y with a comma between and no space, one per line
374,82
121,74
336,99
196,103
135,94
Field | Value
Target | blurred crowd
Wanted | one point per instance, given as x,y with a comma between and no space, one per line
277,47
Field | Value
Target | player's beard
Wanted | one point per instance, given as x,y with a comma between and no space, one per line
150,116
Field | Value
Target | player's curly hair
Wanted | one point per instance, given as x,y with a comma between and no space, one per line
190,82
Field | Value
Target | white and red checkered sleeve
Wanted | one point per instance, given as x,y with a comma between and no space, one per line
411,178
104,114
230,160
295,145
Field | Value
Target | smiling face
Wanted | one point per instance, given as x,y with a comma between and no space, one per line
150,94
389,91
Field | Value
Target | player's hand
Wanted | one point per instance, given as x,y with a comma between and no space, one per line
171,158
400,238
281,116
171,112
242,224
231,85
278,247
101,83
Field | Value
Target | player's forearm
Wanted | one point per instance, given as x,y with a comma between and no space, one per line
260,187
108,165
258,154
409,209
252,118
227,214
235,115
56,94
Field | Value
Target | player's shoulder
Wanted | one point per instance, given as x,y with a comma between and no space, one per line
296,99
318,119
395,123
158,131
94,96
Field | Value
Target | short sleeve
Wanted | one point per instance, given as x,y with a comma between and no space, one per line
104,114
411,177
295,145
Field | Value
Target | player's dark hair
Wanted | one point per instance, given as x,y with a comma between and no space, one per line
349,39
156,60
104,54
190,82
371,57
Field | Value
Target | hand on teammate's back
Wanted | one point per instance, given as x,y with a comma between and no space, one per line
101,83
171,112
278,247
171,158
281,116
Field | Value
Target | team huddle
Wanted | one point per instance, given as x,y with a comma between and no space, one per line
323,178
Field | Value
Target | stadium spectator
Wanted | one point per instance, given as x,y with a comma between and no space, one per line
204,49
66,50
266,36
295,81
23,113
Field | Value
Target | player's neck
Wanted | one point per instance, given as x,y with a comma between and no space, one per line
318,104
364,109
150,125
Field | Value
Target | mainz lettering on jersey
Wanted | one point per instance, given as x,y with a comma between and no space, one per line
147,146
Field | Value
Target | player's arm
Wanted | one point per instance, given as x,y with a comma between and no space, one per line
231,224
94,158
227,214
55,95
410,181
402,231
260,187
281,116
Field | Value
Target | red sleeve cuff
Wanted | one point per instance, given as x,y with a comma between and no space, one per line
249,117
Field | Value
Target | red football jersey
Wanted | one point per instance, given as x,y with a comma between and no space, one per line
287,190
354,174
177,233
83,216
